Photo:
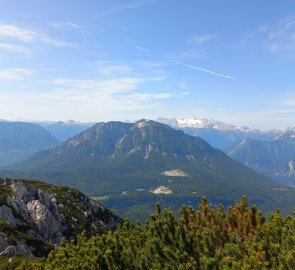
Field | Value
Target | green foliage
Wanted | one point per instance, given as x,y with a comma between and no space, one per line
4,192
16,263
203,238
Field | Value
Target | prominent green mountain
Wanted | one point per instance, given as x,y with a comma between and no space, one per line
134,165
274,158
19,140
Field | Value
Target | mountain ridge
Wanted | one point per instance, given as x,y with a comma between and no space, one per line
18,140
131,164
274,158
217,133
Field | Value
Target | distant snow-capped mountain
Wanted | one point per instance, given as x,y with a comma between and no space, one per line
202,123
217,133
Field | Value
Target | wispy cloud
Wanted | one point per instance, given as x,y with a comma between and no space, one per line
150,65
58,43
138,48
112,68
200,39
16,73
65,25
15,32
195,48
184,93
130,5
15,48
114,88
288,99
204,70
278,37
29,36
150,96
103,86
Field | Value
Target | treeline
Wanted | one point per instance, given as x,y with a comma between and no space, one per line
203,238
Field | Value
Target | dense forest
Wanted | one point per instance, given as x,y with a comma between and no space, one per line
203,238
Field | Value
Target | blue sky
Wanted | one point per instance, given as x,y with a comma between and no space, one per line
89,60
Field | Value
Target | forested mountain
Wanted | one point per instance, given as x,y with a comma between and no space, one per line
19,140
274,158
134,165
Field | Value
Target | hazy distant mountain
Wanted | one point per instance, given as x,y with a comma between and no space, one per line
274,158
218,134
149,161
18,140
64,130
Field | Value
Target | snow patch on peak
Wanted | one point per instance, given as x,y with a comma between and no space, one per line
193,122
196,122
142,123
242,142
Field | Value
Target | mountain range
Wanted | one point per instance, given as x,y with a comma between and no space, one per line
132,165
275,158
64,130
217,133
19,140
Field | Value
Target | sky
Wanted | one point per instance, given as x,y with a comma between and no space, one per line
97,60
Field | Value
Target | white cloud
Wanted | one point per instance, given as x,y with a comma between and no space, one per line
185,93
91,99
200,39
58,43
15,32
150,65
289,99
149,96
107,68
282,36
16,73
15,48
279,37
28,36
130,5
65,25
105,86
117,91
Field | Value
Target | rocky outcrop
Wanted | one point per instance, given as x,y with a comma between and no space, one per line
7,214
37,214
19,249
48,225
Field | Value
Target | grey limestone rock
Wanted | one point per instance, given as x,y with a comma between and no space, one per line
48,226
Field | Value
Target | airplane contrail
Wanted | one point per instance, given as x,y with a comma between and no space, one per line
138,48
203,70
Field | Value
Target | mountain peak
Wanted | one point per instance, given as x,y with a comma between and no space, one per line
196,122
